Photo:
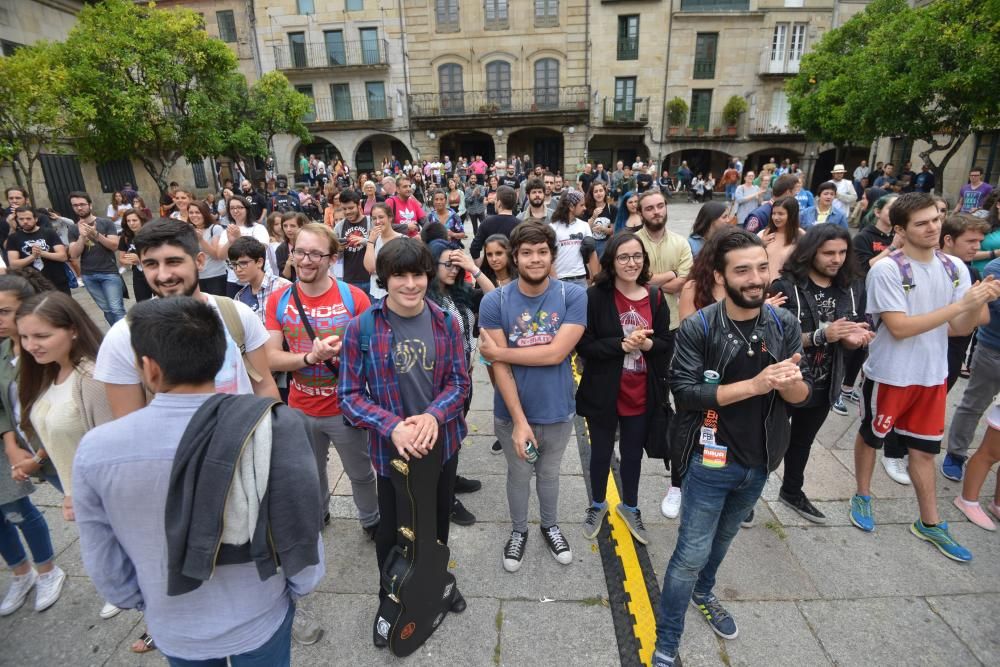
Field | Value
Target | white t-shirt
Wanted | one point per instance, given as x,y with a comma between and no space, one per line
259,232
917,360
116,363
569,239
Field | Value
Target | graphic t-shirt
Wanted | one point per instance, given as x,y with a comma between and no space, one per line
354,256
973,198
22,242
632,389
821,358
917,360
406,212
96,258
546,392
741,424
569,239
413,358
313,389
116,362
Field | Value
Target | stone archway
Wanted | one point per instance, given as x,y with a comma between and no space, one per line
467,144
543,145
321,148
373,149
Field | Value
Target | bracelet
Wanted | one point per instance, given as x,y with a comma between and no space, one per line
475,276
37,459
892,248
305,359
993,254
371,243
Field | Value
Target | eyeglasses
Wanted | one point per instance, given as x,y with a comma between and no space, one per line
314,255
242,264
236,207
624,259
449,266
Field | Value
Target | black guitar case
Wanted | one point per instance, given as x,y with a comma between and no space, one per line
418,588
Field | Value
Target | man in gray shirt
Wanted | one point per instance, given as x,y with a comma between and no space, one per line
94,242
120,497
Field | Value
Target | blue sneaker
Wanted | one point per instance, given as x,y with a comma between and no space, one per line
718,618
861,513
940,537
953,467
663,660
839,408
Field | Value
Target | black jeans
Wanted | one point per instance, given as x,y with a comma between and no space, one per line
475,219
806,423
388,527
630,445
853,360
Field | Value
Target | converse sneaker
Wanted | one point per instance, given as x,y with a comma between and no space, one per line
802,505
20,586
896,469
592,521
671,505
496,447
513,551
109,611
747,521
557,544
48,588
854,396
633,519
839,407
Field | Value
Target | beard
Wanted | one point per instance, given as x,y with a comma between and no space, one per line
528,279
736,296
189,290
654,226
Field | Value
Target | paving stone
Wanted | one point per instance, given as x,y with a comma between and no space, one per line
855,632
974,619
772,633
826,478
490,502
836,426
887,511
574,632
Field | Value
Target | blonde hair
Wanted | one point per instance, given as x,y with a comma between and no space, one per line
322,231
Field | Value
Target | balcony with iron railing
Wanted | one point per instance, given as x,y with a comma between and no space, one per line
626,110
703,126
761,122
779,63
364,55
345,112
491,103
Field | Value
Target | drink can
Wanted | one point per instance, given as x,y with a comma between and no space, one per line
530,451
711,377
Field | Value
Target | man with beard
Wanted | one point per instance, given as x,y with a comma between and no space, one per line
305,323
29,245
406,209
734,373
256,199
536,211
820,280
670,257
557,191
94,241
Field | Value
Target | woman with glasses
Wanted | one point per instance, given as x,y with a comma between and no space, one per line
626,348
241,224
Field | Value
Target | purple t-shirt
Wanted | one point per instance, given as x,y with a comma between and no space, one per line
972,198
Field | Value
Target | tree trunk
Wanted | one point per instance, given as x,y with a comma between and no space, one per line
939,166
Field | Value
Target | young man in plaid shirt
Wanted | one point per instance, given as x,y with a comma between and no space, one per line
410,390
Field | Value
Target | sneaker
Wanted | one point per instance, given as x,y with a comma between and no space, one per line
305,629
995,509
953,467
593,520
49,587
747,521
940,537
557,544
839,408
861,513
854,396
513,551
965,372
718,618
896,469
671,505
461,516
803,507
109,611
370,530
974,513
20,586
633,519
466,485
664,660
496,448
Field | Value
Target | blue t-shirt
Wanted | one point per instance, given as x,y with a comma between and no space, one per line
546,392
989,334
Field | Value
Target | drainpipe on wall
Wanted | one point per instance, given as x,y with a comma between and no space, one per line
666,76
586,77
406,78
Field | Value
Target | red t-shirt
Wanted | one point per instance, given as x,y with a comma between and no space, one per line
632,390
313,389
406,212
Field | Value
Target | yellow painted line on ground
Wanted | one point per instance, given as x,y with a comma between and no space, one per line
634,583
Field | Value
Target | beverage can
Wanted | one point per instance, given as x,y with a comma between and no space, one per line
530,451
711,377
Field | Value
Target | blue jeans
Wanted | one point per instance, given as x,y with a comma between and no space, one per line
731,192
106,291
22,514
276,651
714,502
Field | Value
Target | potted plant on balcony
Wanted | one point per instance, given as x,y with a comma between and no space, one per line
677,111
735,107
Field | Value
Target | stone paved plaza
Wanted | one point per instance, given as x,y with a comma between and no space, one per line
802,594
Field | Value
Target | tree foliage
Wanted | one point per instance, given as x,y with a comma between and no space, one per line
33,116
926,73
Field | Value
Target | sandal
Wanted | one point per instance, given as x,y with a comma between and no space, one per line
144,644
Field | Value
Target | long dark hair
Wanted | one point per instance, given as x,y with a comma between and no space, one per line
589,200
712,258
707,214
800,261
990,205
563,211
246,208
207,216
791,229
606,278
488,270
62,312
127,232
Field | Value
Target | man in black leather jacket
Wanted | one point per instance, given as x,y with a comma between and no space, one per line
734,372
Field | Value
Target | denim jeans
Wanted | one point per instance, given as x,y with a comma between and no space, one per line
714,502
106,291
22,514
276,651
731,192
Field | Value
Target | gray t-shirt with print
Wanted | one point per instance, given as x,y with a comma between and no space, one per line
413,358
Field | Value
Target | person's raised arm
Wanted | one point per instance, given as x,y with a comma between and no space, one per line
538,355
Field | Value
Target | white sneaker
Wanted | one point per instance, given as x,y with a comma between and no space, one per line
20,586
896,469
48,588
109,611
671,505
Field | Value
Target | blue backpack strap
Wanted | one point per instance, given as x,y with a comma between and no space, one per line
777,320
283,304
704,321
345,296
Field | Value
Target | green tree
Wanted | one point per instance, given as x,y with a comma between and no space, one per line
148,84
33,87
270,107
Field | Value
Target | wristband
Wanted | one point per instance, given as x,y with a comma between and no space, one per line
475,276
892,248
305,359
37,459
993,254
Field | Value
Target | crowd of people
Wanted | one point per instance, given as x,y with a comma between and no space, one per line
354,316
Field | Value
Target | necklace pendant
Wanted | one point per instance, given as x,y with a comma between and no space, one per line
749,351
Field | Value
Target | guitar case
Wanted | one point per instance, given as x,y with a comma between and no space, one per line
418,587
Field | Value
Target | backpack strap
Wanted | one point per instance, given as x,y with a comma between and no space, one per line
704,321
949,267
345,296
234,325
905,270
777,320
283,305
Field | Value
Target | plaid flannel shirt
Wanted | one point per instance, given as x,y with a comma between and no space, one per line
258,301
375,404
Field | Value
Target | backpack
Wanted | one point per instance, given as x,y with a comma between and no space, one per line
777,320
234,325
285,204
367,330
906,270
345,296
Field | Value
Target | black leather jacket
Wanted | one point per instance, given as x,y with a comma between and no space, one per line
705,341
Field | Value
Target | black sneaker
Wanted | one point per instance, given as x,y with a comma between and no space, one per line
458,604
747,521
371,530
466,485
496,448
557,544
803,507
461,516
513,551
